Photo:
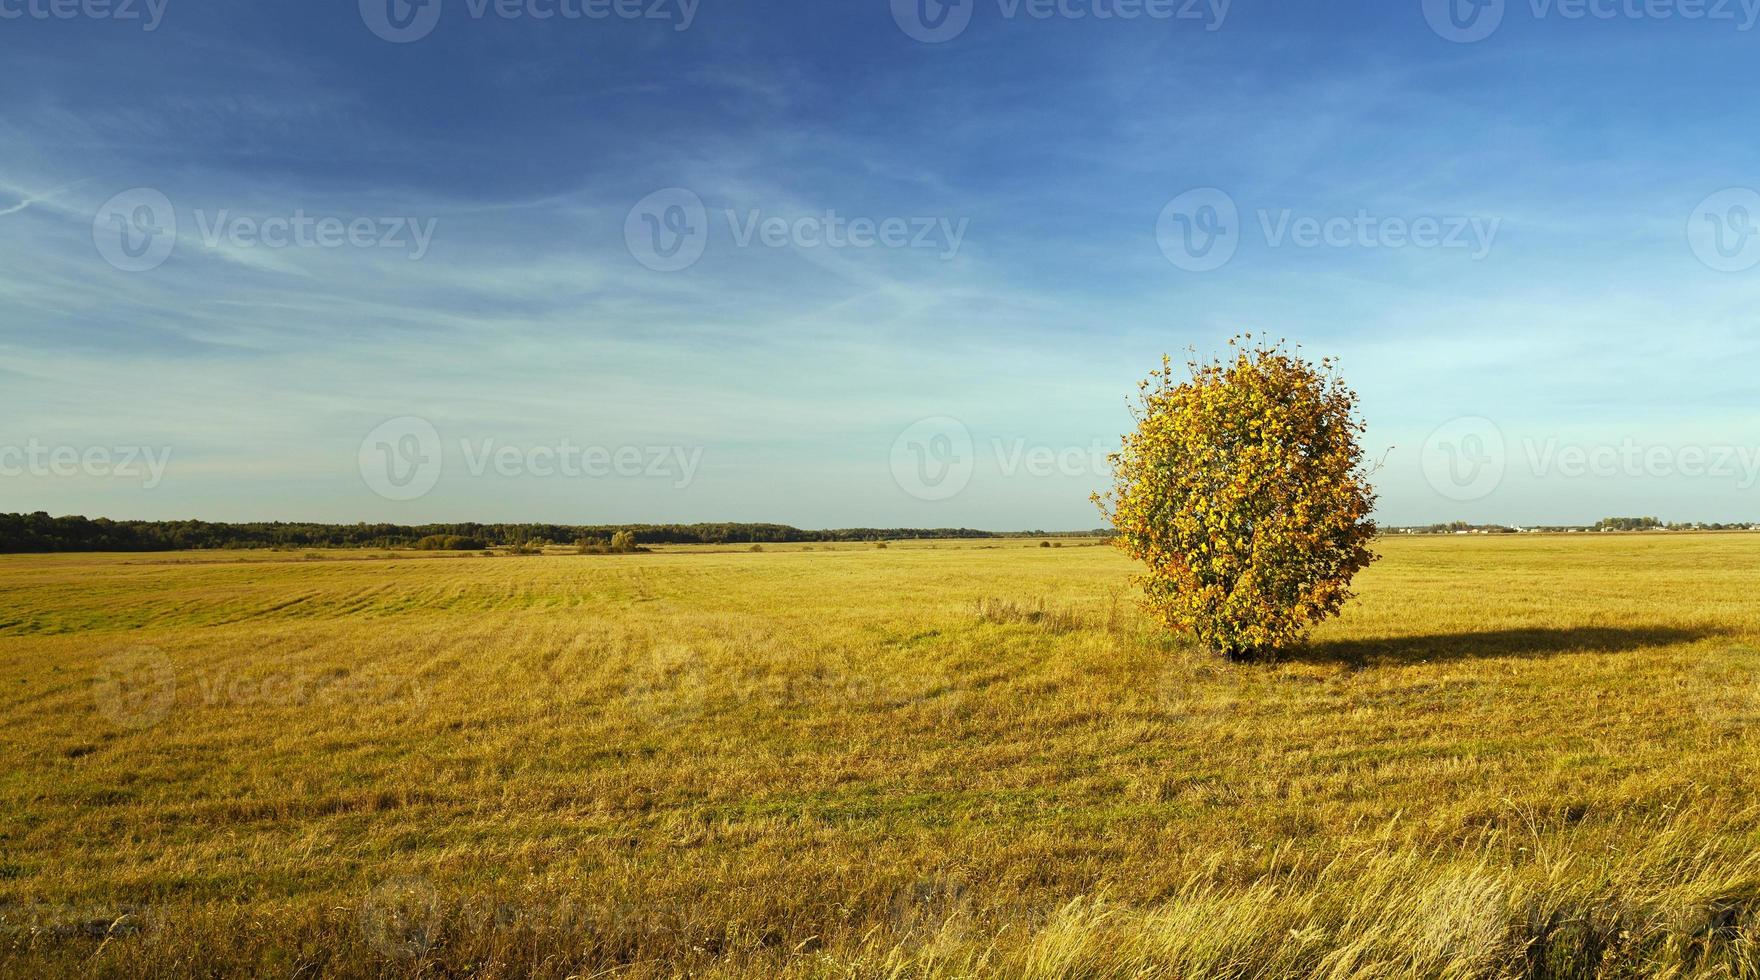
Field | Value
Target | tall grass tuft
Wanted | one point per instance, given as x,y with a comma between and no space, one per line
1036,613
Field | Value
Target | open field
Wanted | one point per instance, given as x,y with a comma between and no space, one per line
1512,756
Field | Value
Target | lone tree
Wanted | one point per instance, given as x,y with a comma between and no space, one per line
1242,491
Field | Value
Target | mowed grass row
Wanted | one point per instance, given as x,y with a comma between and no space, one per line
1512,756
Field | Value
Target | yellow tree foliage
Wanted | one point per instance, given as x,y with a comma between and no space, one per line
1242,490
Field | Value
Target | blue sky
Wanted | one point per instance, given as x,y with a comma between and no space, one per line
915,280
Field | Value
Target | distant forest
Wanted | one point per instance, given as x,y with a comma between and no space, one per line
38,533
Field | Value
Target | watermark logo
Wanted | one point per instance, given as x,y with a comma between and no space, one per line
402,917
1016,457
1464,21
402,458
37,919
1467,21
135,688
835,231
148,13
1725,687
1724,230
1468,458
1199,230
404,21
1465,459
670,688
938,21
1365,230
301,230
668,230
331,688
933,21
408,917
1185,694
931,908
565,459
933,459
401,21
1632,459
936,458
136,231
35,459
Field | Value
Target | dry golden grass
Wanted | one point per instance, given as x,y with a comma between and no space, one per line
1523,756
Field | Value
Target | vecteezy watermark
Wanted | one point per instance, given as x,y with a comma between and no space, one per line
1201,229
832,230
936,21
407,916
138,687
1464,459
1725,686
404,21
1467,21
1198,231
1467,459
1463,21
97,920
148,13
304,687
402,917
1724,230
145,463
669,230
565,459
135,688
136,231
1631,458
1186,693
1365,230
403,458
669,687
934,459
301,230
936,906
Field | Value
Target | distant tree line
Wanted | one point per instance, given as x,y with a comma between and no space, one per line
1456,527
450,542
1604,525
1628,524
621,543
38,533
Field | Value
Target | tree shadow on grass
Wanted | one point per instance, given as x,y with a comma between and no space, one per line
1522,643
